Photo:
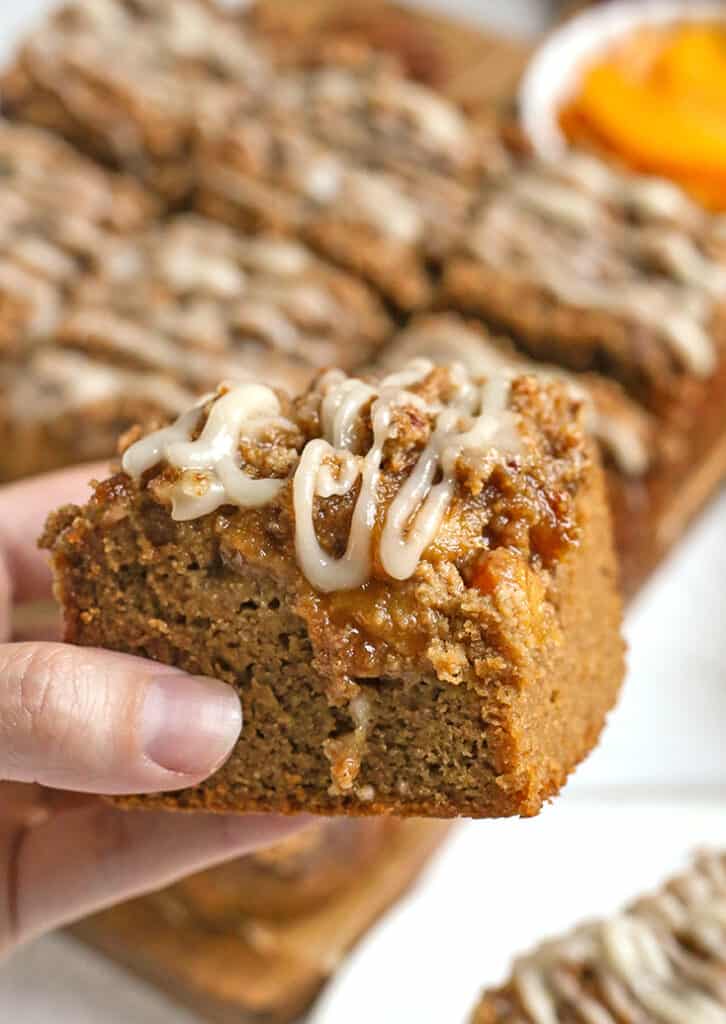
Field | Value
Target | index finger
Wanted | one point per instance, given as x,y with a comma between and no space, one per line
24,507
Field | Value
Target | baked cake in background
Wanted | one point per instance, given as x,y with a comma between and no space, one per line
262,970
123,80
58,215
623,276
373,169
662,959
293,878
160,319
598,270
476,69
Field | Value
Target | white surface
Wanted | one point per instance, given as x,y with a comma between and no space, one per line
670,725
15,18
499,888
553,74
585,854
57,981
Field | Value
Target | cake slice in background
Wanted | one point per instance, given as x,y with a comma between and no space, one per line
371,168
122,81
623,276
661,959
262,969
286,881
158,319
59,215
599,270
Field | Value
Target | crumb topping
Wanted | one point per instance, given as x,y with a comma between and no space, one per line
597,240
167,47
621,427
378,115
197,299
60,215
374,471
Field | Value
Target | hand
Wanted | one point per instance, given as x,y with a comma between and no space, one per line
77,721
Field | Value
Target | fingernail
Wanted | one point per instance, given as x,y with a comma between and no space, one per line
189,723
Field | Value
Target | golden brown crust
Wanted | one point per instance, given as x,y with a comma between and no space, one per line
659,469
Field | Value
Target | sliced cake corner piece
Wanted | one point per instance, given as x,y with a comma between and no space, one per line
661,959
409,580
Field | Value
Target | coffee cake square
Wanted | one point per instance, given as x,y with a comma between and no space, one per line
409,580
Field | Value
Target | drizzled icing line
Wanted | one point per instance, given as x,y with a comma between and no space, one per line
476,417
210,471
445,339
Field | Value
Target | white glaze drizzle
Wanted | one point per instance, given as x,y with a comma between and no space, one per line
475,418
210,471
445,339
643,972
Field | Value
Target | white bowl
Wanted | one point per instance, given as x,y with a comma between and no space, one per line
556,68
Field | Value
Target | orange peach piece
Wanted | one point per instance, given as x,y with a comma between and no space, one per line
693,66
652,130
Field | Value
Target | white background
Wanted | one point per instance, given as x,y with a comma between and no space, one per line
654,789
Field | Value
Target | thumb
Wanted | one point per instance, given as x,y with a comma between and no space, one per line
99,722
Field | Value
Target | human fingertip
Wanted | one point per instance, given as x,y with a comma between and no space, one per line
189,724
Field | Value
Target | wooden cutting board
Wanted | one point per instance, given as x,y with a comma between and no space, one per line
266,972
479,70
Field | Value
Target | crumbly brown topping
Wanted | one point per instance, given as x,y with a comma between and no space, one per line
443,567
549,425
379,117
625,431
596,270
138,110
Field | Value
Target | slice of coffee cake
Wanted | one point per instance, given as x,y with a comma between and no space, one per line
409,580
